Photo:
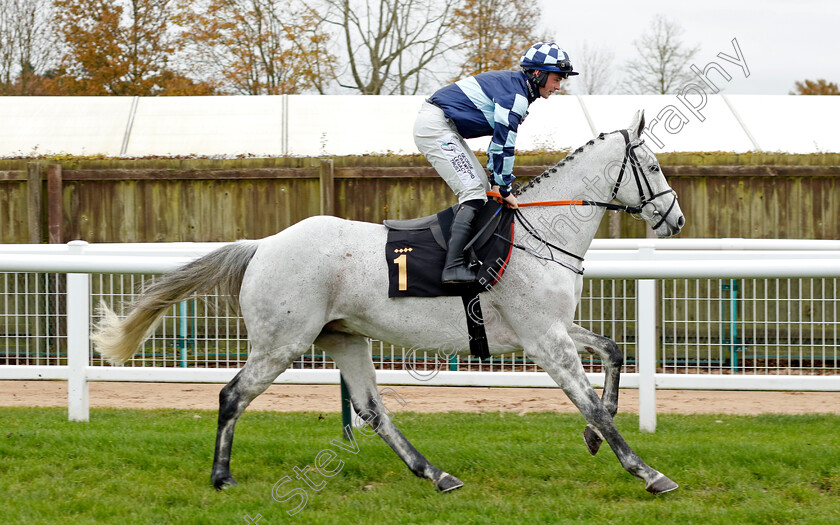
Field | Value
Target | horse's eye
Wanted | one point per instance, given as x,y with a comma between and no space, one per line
654,168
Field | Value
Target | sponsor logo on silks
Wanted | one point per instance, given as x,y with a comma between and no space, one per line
448,146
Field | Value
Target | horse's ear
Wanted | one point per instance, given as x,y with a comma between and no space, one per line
638,124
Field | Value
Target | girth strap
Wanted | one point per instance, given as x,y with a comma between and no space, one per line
475,326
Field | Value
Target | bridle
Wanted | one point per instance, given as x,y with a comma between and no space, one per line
638,175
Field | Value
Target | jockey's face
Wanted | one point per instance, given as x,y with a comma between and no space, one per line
551,85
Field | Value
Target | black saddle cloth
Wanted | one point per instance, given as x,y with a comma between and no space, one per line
416,252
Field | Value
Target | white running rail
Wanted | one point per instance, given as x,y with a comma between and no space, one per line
643,260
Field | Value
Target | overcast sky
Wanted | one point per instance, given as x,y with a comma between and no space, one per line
781,41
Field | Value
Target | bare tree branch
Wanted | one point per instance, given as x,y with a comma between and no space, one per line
27,47
662,63
389,46
596,69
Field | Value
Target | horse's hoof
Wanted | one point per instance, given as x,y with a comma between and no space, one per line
448,482
660,485
224,483
593,439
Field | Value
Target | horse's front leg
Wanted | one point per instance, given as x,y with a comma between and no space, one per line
557,355
612,360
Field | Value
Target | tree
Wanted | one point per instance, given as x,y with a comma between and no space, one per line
26,48
495,33
388,46
120,47
661,65
258,47
8,44
595,66
815,87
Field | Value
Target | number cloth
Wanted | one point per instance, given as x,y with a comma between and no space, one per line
416,258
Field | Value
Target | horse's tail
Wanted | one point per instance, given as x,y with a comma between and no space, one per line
118,339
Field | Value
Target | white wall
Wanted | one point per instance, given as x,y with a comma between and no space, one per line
352,125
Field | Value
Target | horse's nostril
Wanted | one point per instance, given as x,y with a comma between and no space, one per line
681,221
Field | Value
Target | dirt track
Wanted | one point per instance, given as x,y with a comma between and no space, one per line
325,398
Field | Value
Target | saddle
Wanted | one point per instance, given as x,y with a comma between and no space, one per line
416,253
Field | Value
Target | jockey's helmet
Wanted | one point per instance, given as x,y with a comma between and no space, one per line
546,56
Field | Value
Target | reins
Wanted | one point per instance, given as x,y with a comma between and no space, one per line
608,205
638,175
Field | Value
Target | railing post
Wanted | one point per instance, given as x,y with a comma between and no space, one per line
646,352
78,340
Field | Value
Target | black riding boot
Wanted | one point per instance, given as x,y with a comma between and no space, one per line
455,270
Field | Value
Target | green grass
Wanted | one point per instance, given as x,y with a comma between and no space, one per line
133,467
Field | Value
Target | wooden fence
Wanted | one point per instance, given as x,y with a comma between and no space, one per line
207,200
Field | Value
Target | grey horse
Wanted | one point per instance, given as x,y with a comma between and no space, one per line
324,280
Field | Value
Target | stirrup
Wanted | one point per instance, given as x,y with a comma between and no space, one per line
458,275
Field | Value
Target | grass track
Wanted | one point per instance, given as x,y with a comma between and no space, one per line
134,466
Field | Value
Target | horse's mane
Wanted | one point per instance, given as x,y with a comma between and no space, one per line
519,189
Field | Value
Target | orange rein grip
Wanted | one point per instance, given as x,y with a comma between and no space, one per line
497,195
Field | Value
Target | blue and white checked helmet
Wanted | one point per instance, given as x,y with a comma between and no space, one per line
547,56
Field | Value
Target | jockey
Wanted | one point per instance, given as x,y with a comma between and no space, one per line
488,104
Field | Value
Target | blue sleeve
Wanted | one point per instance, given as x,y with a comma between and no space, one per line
509,112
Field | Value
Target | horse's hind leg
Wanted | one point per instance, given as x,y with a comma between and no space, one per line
353,358
612,360
557,355
259,372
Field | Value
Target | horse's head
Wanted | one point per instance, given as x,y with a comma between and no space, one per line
640,183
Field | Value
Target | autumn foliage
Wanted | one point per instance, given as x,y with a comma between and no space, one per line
815,87
120,48
496,33
257,47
